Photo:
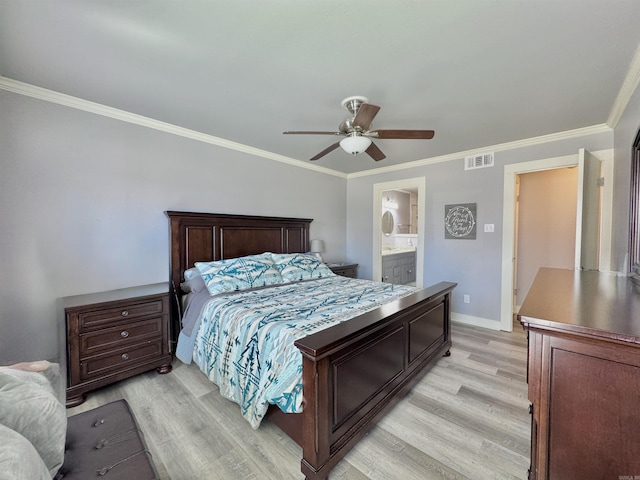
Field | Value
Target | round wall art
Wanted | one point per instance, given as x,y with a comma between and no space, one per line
460,221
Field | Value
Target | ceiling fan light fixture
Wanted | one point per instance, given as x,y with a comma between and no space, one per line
355,144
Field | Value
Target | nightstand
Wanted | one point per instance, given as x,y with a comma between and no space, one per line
345,269
115,335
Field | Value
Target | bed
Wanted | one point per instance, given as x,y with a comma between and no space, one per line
394,344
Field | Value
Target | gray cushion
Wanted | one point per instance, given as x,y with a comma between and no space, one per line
193,281
19,460
30,407
43,373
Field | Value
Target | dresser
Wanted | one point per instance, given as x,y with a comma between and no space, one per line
115,335
344,269
583,374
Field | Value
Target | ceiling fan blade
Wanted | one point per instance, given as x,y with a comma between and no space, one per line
312,133
408,134
366,114
325,151
374,152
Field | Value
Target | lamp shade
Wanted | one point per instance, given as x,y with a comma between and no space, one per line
355,144
317,246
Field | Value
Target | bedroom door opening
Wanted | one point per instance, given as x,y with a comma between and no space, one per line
398,228
592,234
545,225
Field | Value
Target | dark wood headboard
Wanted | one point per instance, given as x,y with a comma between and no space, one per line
205,237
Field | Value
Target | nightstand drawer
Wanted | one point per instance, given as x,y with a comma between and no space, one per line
101,318
351,272
344,269
115,335
116,362
120,336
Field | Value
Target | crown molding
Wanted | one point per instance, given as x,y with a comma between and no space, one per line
40,93
629,85
51,96
528,142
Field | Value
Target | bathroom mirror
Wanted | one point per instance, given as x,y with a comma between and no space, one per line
387,223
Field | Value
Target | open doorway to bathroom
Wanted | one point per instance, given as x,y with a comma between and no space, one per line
399,236
398,232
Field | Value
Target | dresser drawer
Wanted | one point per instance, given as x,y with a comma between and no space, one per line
103,317
119,360
120,336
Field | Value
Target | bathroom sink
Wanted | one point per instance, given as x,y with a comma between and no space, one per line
393,249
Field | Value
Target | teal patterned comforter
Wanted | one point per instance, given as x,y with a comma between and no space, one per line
244,342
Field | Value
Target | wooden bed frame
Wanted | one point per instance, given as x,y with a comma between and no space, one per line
353,372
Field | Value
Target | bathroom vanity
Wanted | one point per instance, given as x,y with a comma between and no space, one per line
399,265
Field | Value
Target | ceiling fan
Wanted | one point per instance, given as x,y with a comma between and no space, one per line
358,132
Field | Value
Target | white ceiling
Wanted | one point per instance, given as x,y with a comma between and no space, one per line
478,72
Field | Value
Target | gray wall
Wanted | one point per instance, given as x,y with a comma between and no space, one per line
82,201
474,264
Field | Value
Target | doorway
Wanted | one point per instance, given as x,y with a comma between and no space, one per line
410,228
585,249
399,236
545,226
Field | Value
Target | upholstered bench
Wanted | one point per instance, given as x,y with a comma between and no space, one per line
39,442
106,443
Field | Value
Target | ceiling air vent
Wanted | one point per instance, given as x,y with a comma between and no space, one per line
478,161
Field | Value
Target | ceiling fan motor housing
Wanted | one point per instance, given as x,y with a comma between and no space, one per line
347,127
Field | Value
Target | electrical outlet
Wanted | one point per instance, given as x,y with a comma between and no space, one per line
489,227
467,299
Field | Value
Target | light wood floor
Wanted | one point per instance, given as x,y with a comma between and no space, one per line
466,419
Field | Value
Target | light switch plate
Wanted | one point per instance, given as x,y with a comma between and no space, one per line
489,227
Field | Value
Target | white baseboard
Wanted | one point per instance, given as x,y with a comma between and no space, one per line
475,321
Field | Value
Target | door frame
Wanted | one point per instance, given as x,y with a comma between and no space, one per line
420,184
509,227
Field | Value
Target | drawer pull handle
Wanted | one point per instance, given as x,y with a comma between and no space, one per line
125,356
124,334
125,313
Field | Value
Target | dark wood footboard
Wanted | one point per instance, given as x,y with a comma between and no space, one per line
356,371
